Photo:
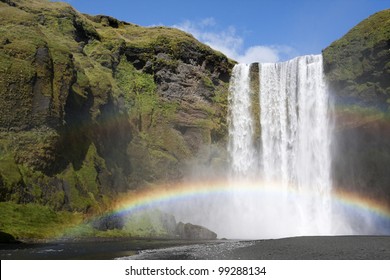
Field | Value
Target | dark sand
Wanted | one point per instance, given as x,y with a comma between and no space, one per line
295,248
316,248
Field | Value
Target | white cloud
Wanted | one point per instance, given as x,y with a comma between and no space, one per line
208,22
232,45
259,54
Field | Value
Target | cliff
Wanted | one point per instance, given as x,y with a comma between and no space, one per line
357,67
358,64
92,106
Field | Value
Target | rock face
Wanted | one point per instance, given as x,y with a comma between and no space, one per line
358,64
92,106
194,232
358,70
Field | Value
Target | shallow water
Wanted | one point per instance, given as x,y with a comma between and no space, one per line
209,251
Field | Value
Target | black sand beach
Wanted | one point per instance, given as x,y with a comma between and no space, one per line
294,248
313,248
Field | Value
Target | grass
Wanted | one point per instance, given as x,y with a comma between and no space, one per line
39,222
148,37
138,89
347,52
35,221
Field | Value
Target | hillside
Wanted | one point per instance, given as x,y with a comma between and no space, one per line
357,67
92,106
358,64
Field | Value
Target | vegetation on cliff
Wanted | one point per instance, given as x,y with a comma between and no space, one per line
92,106
357,67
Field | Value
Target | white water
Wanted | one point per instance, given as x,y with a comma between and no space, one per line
295,142
296,135
279,176
241,147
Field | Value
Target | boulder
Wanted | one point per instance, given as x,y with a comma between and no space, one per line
109,222
194,232
7,238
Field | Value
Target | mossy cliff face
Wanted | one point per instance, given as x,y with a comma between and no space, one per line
92,106
357,67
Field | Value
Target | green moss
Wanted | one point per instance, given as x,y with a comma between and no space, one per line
9,171
220,98
146,224
159,155
35,221
83,183
221,95
15,72
144,106
150,37
204,123
87,175
76,200
367,33
138,88
168,140
56,103
11,15
207,82
99,52
358,60
170,64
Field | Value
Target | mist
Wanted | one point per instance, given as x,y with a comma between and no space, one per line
279,178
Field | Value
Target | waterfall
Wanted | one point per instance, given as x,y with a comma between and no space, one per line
294,152
241,146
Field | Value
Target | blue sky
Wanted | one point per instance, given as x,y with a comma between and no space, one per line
247,30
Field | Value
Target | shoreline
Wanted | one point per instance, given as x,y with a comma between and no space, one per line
95,248
355,247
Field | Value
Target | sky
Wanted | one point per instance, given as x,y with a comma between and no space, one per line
247,30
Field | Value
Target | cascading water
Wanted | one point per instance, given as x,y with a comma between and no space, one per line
295,134
295,139
279,180
241,146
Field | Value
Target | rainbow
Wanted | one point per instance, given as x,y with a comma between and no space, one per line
363,203
139,200
156,196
